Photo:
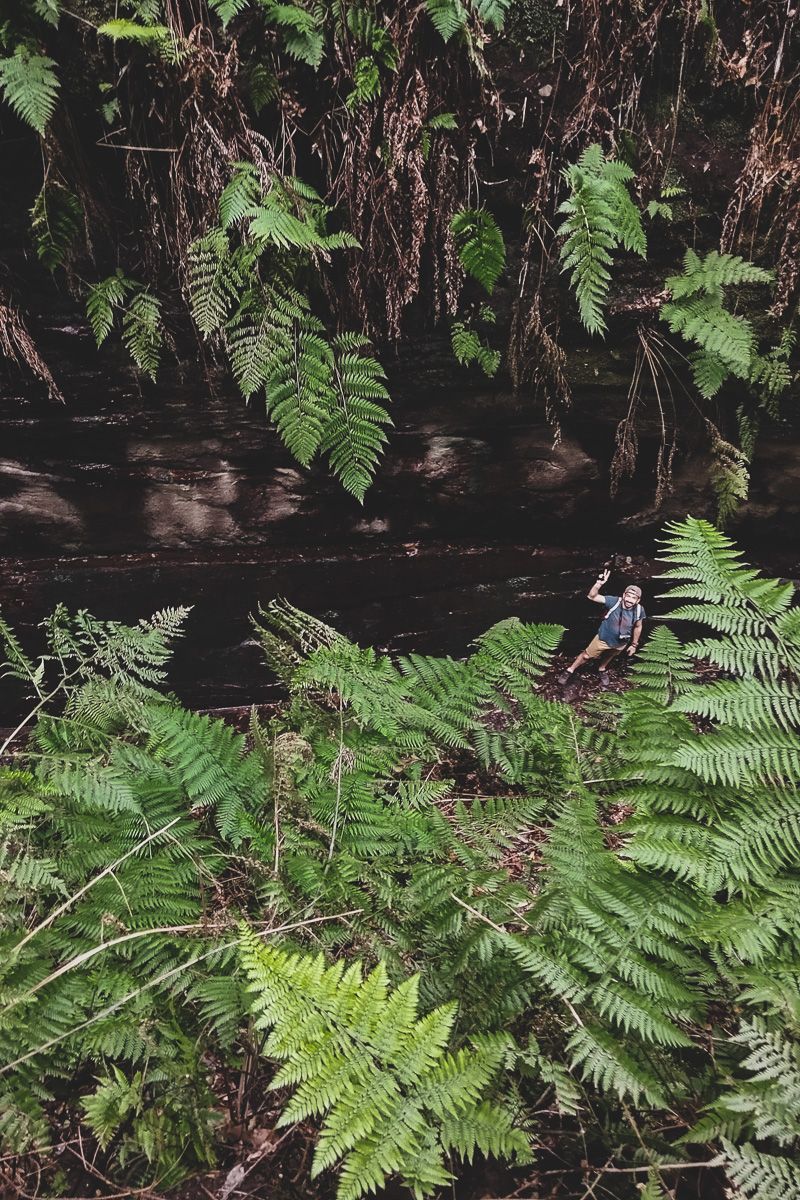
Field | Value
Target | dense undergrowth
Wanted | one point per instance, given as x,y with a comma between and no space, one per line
585,962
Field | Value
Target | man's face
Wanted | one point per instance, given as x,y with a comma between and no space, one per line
631,596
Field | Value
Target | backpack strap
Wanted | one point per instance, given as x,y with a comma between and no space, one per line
615,607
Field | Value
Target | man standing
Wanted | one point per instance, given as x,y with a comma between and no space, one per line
619,630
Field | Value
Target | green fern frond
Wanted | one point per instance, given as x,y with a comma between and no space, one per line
241,195
602,1058
449,17
379,1075
599,217
301,29
102,301
226,10
249,339
492,12
730,476
663,670
354,436
122,29
715,271
30,86
761,1176
468,348
724,342
480,245
56,219
142,331
217,277
299,383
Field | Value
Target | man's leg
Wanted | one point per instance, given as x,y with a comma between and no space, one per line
582,658
604,662
592,651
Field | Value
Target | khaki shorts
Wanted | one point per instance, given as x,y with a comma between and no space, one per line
597,647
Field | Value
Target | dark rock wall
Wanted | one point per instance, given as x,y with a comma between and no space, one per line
124,467
132,496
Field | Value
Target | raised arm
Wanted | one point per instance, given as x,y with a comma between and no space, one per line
594,590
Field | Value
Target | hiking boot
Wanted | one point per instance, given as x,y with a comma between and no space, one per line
605,682
564,678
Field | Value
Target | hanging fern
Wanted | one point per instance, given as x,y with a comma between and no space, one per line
320,393
30,86
450,17
121,29
103,301
217,276
300,375
726,341
226,10
56,219
142,332
468,348
354,436
600,217
730,476
480,245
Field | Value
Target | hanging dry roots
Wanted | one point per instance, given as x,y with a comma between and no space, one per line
769,183
17,345
204,129
535,358
650,354
401,183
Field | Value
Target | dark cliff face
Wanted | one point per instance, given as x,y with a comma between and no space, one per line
126,467
128,497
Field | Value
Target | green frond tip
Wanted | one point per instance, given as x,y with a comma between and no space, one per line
468,348
600,217
103,301
449,17
723,343
30,86
392,1098
121,29
301,30
226,10
142,330
480,245
56,219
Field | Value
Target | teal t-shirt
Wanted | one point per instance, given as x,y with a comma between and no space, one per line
617,625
